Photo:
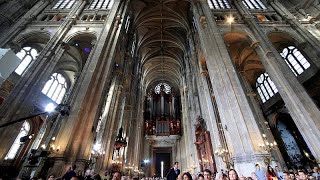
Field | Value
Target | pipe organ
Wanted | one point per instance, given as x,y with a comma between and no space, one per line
162,111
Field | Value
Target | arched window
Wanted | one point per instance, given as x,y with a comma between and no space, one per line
16,144
64,4
167,88
55,88
254,4
295,60
127,24
101,4
265,87
27,55
219,4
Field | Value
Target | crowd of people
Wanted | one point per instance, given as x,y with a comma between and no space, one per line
270,174
174,174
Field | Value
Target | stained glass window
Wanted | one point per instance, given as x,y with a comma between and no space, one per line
64,4
101,4
254,4
55,88
17,144
295,60
219,4
265,87
27,56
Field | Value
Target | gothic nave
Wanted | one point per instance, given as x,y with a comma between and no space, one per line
136,85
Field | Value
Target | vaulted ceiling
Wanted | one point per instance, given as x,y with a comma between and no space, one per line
162,28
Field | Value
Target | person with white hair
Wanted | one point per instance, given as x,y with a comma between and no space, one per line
316,173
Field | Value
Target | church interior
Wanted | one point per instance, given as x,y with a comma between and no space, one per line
134,86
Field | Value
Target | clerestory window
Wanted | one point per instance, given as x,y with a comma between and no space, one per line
101,4
64,4
27,56
265,87
55,88
295,60
17,144
219,4
254,4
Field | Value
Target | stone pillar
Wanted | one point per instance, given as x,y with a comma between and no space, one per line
186,130
75,138
193,110
261,121
297,26
210,115
301,107
108,129
150,97
112,129
236,115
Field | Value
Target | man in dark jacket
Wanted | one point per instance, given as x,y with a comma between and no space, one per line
173,172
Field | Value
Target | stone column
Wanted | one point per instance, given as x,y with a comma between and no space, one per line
112,130
150,97
75,138
193,112
185,127
210,115
138,134
236,115
302,108
107,124
261,121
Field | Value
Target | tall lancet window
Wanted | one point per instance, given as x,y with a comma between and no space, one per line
101,4
295,60
254,4
265,87
219,4
55,88
16,144
27,56
64,4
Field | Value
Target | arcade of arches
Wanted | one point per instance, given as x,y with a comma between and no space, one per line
212,84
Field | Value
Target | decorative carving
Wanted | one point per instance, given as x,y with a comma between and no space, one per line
200,123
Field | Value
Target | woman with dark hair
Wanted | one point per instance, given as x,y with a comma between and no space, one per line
233,175
271,175
186,176
200,177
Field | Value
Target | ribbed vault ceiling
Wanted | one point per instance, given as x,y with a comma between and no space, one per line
161,27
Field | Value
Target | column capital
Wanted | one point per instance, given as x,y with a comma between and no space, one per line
255,44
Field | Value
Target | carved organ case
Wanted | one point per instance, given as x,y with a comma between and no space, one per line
162,111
